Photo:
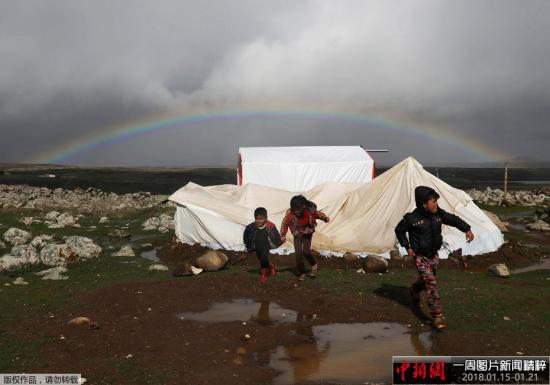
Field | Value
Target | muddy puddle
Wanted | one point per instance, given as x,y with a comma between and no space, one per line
347,353
544,265
243,310
335,353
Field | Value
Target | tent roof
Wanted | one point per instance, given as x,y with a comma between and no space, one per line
304,154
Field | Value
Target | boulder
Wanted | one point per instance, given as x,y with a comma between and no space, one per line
151,224
119,233
74,249
55,254
39,241
502,226
166,221
79,321
52,216
350,257
17,236
163,230
396,255
54,273
212,260
375,264
125,251
539,225
83,247
20,281
158,267
104,220
27,221
65,220
55,226
28,252
499,270
12,262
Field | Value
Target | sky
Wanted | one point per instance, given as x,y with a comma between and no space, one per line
445,81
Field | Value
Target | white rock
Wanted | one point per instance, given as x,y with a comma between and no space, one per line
163,230
499,270
196,270
125,251
26,251
12,262
27,220
39,241
54,254
83,247
55,226
103,220
151,224
20,281
79,321
74,249
51,216
54,273
166,221
539,225
2,245
65,220
158,267
502,226
17,236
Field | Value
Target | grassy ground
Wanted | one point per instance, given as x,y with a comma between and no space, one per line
473,302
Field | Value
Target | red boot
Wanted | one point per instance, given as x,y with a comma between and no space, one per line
272,270
263,280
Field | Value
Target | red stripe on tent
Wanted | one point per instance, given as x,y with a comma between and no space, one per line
240,171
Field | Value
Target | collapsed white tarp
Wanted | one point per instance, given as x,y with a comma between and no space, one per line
363,215
302,168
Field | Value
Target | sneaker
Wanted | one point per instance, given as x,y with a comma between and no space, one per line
272,270
301,277
263,279
438,323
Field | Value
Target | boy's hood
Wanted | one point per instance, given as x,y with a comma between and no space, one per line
420,193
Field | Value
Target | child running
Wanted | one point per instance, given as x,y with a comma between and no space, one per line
259,237
301,220
424,228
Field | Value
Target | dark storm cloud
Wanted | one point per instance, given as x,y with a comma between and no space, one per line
68,68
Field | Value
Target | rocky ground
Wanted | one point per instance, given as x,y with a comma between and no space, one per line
114,261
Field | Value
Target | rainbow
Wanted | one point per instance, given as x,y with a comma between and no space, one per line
119,133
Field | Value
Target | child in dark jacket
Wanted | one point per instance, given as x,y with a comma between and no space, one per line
259,237
302,221
423,226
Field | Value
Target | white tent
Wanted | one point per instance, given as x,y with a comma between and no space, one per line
302,168
363,215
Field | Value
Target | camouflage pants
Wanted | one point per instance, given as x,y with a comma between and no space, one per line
427,268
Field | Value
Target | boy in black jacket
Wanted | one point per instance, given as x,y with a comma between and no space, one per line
424,228
259,237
